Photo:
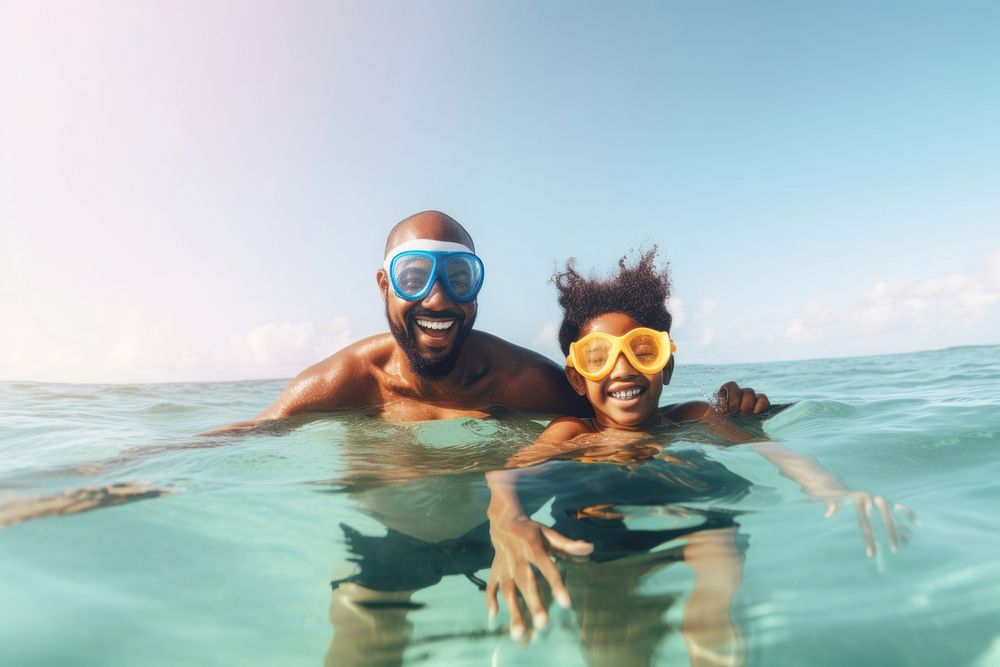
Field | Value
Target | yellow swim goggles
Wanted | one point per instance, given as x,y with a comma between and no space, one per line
594,355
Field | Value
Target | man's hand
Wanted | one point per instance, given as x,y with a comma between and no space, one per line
732,400
521,543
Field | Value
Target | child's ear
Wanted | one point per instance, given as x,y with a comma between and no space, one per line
668,371
576,381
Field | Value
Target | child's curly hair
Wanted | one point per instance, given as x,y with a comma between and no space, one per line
641,292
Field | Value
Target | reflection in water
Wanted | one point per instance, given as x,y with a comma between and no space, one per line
75,501
639,526
369,626
622,625
428,491
633,511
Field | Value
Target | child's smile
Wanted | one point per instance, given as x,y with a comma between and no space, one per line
627,394
625,398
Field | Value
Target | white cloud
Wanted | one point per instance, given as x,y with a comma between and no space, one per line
958,298
681,317
991,270
141,346
547,335
812,317
281,346
689,330
676,308
798,331
546,342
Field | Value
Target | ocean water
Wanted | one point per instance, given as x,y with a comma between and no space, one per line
189,550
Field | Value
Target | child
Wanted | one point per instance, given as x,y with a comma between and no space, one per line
619,355
615,334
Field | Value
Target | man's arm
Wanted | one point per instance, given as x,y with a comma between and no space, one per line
339,381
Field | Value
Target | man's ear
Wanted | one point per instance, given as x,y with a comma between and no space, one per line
576,381
382,278
668,371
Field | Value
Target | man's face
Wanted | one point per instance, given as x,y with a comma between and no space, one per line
430,331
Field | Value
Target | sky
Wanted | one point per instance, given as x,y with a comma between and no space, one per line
200,191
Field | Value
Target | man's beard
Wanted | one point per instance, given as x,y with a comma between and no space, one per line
429,369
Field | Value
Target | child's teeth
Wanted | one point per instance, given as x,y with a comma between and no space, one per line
437,325
626,394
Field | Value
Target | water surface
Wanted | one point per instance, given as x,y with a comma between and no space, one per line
228,557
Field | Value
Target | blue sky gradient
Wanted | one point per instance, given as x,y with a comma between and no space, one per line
202,192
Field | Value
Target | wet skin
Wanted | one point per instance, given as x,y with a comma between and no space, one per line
375,374
625,398
628,400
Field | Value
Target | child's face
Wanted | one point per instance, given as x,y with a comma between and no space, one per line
616,405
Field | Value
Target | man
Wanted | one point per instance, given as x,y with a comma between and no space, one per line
433,364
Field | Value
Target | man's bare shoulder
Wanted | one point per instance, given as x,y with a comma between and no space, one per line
362,357
511,358
345,379
526,380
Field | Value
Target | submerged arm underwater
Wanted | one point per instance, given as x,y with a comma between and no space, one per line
825,486
522,545
100,495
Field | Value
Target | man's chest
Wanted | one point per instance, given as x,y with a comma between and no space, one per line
410,410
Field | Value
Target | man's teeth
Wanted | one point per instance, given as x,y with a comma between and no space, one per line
626,394
436,325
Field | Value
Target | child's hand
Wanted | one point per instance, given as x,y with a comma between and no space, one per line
521,543
735,401
863,503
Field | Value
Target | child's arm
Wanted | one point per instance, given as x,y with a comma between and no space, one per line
731,401
552,442
825,486
521,543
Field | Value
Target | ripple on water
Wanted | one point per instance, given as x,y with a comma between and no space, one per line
809,413
168,409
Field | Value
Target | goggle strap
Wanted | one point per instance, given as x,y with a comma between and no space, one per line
427,245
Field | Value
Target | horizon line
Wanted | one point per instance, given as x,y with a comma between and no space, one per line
694,364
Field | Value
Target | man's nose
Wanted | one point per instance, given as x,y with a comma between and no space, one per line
437,298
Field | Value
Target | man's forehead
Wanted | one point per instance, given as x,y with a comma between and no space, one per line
400,239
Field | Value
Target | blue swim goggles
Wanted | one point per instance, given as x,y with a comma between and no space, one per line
417,265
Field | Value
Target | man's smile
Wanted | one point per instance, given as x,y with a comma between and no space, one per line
434,325
436,330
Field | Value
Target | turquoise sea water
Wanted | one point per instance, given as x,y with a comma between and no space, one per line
228,556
